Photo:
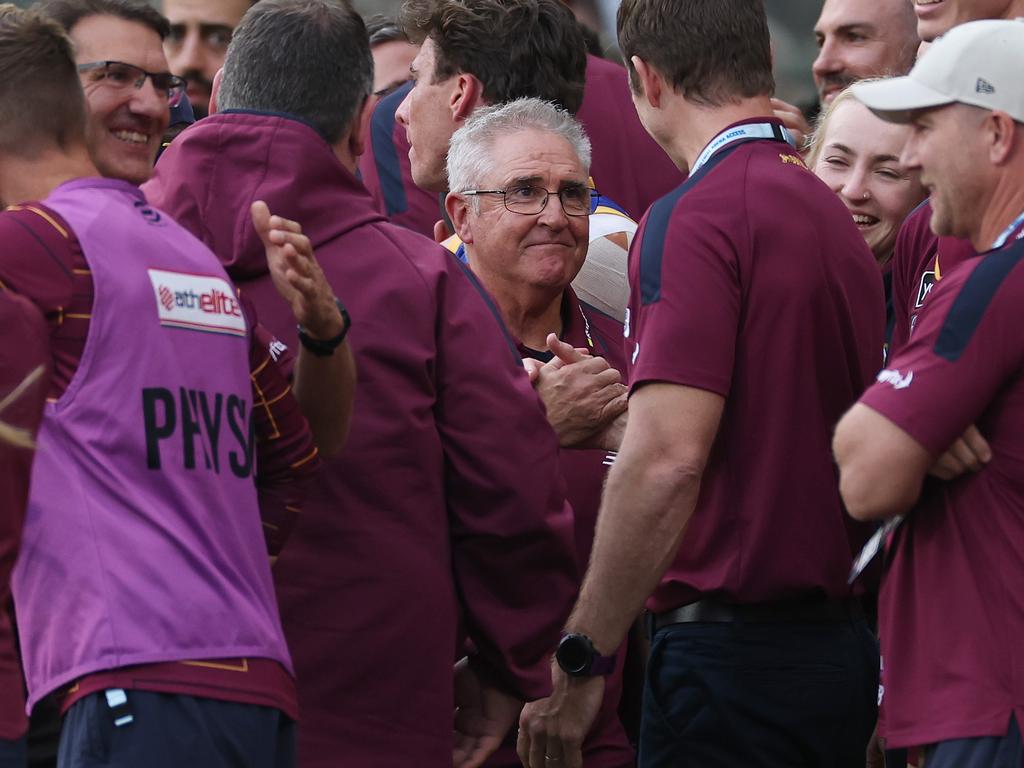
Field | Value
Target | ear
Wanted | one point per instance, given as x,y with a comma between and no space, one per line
361,127
467,95
458,209
1001,136
651,81
214,89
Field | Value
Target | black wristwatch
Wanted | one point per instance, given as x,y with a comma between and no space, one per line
326,347
577,657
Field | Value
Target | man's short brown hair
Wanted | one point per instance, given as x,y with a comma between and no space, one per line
515,48
41,99
712,52
68,13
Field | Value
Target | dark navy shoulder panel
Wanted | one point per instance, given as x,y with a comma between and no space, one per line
385,155
652,247
973,300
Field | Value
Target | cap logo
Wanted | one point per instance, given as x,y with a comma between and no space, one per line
984,86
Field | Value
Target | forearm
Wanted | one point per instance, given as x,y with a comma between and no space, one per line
325,389
647,503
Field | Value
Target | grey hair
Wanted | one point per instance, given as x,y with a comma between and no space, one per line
469,153
307,58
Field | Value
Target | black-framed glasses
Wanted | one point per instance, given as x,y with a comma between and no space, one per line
528,199
117,74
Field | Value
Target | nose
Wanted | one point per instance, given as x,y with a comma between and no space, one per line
909,157
402,113
856,186
190,55
147,101
553,214
827,61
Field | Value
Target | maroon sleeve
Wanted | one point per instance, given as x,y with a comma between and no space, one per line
967,344
37,258
512,530
698,308
23,349
286,458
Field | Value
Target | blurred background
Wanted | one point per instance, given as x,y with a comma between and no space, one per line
791,24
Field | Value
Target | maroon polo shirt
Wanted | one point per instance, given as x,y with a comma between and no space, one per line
24,346
584,470
951,609
920,260
446,503
752,282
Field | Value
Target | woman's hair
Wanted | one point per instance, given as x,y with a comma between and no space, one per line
817,139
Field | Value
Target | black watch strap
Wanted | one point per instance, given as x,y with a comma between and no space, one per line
326,347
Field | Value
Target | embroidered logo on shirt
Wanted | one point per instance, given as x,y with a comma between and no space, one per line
197,303
276,349
791,160
927,283
894,377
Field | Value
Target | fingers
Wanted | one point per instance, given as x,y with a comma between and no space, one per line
260,219
793,119
977,444
533,368
441,231
565,352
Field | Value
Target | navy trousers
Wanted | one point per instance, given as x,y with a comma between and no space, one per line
13,754
174,731
760,695
985,752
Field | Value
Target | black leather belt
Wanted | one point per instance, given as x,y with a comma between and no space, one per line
803,611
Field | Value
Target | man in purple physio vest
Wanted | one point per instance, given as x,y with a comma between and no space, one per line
141,548
750,331
444,517
520,204
950,610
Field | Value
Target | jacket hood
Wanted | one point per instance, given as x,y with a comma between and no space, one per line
210,176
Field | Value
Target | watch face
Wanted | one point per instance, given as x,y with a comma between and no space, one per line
574,654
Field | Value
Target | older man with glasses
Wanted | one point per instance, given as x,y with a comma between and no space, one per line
520,203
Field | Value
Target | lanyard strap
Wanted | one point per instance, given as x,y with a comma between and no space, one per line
741,133
1001,240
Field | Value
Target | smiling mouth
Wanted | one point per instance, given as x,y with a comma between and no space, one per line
131,137
926,3
863,220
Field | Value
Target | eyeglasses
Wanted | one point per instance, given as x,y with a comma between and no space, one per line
117,74
530,200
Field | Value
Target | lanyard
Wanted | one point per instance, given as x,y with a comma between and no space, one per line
1001,240
739,133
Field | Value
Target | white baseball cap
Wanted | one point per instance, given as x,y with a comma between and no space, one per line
979,63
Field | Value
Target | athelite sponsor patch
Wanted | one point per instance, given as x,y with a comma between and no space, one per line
204,303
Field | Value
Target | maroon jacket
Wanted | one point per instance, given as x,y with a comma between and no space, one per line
628,166
24,346
446,504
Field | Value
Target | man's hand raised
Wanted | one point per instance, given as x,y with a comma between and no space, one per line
582,394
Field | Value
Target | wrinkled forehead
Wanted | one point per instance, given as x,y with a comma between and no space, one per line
109,38
538,156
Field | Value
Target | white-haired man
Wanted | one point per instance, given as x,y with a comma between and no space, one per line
520,205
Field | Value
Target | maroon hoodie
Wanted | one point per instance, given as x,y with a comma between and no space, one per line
446,503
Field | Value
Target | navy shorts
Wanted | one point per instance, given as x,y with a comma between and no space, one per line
985,752
161,730
722,695
13,754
